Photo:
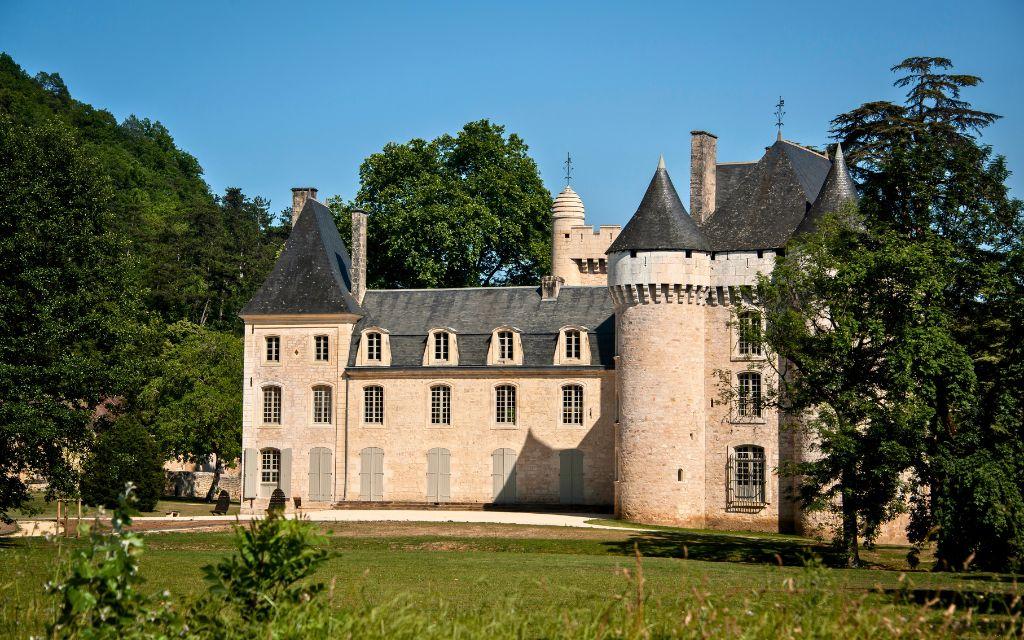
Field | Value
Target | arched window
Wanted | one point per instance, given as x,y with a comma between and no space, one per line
373,404
440,404
272,404
572,344
749,330
505,404
322,404
748,400
572,404
747,476
270,467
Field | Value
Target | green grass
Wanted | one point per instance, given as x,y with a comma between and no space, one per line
467,569
39,509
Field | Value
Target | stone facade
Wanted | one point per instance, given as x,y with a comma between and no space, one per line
640,323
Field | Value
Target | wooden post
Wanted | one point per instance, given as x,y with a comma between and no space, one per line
78,525
58,516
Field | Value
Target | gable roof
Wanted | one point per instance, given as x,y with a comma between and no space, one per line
661,222
728,176
837,190
769,202
409,314
312,274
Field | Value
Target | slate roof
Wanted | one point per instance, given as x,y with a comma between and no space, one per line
837,190
728,175
661,222
409,314
312,274
768,203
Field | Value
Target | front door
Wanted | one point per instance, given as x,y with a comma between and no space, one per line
570,476
439,475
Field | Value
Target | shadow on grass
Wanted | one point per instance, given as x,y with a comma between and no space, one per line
725,548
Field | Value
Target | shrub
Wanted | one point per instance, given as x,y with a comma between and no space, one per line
125,453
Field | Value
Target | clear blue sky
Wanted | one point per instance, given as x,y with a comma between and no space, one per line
270,95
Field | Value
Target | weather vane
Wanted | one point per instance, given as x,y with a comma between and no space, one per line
778,115
568,168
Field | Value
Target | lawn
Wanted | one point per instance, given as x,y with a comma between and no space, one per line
466,569
39,508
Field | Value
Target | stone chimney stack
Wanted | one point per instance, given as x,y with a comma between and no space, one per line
359,218
550,286
299,195
703,157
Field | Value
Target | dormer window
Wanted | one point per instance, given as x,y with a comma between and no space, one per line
506,345
441,346
572,344
374,346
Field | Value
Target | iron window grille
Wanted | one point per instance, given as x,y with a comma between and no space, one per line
373,346
273,348
373,405
505,404
322,404
748,401
572,344
323,351
747,477
572,404
749,334
272,405
440,404
505,348
270,469
441,346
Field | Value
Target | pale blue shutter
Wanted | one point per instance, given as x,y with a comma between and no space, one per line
251,474
378,475
326,475
433,462
444,475
314,475
286,472
365,474
503,475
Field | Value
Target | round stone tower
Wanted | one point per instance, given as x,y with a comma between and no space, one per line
658,278
566,213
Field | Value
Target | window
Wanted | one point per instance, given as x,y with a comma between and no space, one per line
749,399
746,481
505,348
749,334
572,404
273,348
322,404
373,404
373,346
322,348
270,466
441,404
441,346
572,344
272,405
505,404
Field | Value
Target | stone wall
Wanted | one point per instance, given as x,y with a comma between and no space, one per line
195,484
578,254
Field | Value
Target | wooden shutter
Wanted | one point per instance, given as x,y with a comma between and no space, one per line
365,474
433,464
497,474
570,476
378,475
314,475
577,477
503,475
444,476
251,474
286,472
326,474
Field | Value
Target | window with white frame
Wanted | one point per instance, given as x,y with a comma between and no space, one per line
373,346
572,404
272,405
749,330
373,404
440,404
273,348
748,400
441,346
747,476
270,466
322,348
505,404
322,404
506,350
572,344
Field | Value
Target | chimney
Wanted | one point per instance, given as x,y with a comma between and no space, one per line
299,195
550,286
703,157
359,254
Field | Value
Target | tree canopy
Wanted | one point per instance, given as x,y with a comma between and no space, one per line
456,211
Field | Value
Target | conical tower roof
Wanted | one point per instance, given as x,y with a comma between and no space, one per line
837,190
661,222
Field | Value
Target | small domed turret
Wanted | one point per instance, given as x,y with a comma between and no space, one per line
566,212
568,205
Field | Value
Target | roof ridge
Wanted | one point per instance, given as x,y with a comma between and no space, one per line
805,148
